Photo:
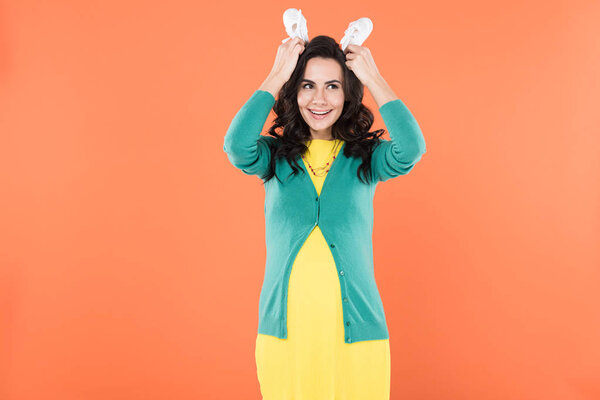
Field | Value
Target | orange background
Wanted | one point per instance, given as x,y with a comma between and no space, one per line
132,252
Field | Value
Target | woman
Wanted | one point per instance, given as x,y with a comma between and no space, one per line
322,331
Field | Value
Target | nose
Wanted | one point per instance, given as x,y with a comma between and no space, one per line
319,97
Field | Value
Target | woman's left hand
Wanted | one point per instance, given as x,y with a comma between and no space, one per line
360,61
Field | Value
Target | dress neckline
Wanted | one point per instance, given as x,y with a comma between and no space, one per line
323,141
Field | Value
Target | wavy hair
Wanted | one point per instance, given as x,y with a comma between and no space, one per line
352,126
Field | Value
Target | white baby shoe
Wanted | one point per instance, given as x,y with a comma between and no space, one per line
358,31
295,24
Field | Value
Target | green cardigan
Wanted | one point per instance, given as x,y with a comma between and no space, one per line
343,211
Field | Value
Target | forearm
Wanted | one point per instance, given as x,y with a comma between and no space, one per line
272,85
381,91
402,125
399,155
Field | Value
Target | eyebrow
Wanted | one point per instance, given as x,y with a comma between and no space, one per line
331,81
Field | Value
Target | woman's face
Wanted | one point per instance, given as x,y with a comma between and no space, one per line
321,90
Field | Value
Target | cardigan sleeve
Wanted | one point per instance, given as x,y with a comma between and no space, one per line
391,158
246,148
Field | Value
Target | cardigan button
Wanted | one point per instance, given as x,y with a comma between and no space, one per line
316,199
348,340
345,299
347,323
332,245
341,272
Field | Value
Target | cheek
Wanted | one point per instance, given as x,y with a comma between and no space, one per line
302,100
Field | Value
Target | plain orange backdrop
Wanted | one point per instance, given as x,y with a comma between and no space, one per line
132,252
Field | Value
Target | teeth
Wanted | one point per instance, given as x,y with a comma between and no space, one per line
320,113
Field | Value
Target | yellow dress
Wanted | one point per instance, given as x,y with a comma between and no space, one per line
314,362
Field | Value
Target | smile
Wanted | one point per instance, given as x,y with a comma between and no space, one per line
319,115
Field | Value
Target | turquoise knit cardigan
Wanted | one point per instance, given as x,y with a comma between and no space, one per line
343,211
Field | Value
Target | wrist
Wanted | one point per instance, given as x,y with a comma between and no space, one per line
376,80
272,84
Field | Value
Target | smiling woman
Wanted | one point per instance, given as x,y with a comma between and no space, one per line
322,332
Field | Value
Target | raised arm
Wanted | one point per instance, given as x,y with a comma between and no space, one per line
399,155
246,148
395,157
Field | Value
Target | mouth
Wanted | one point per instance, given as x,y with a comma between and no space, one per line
319,114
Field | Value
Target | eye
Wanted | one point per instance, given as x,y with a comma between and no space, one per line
331,84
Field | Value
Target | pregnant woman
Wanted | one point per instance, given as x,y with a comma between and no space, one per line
322,332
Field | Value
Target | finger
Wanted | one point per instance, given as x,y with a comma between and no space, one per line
352,48
295,41
302,41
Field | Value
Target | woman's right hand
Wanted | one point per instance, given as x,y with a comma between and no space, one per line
287,58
